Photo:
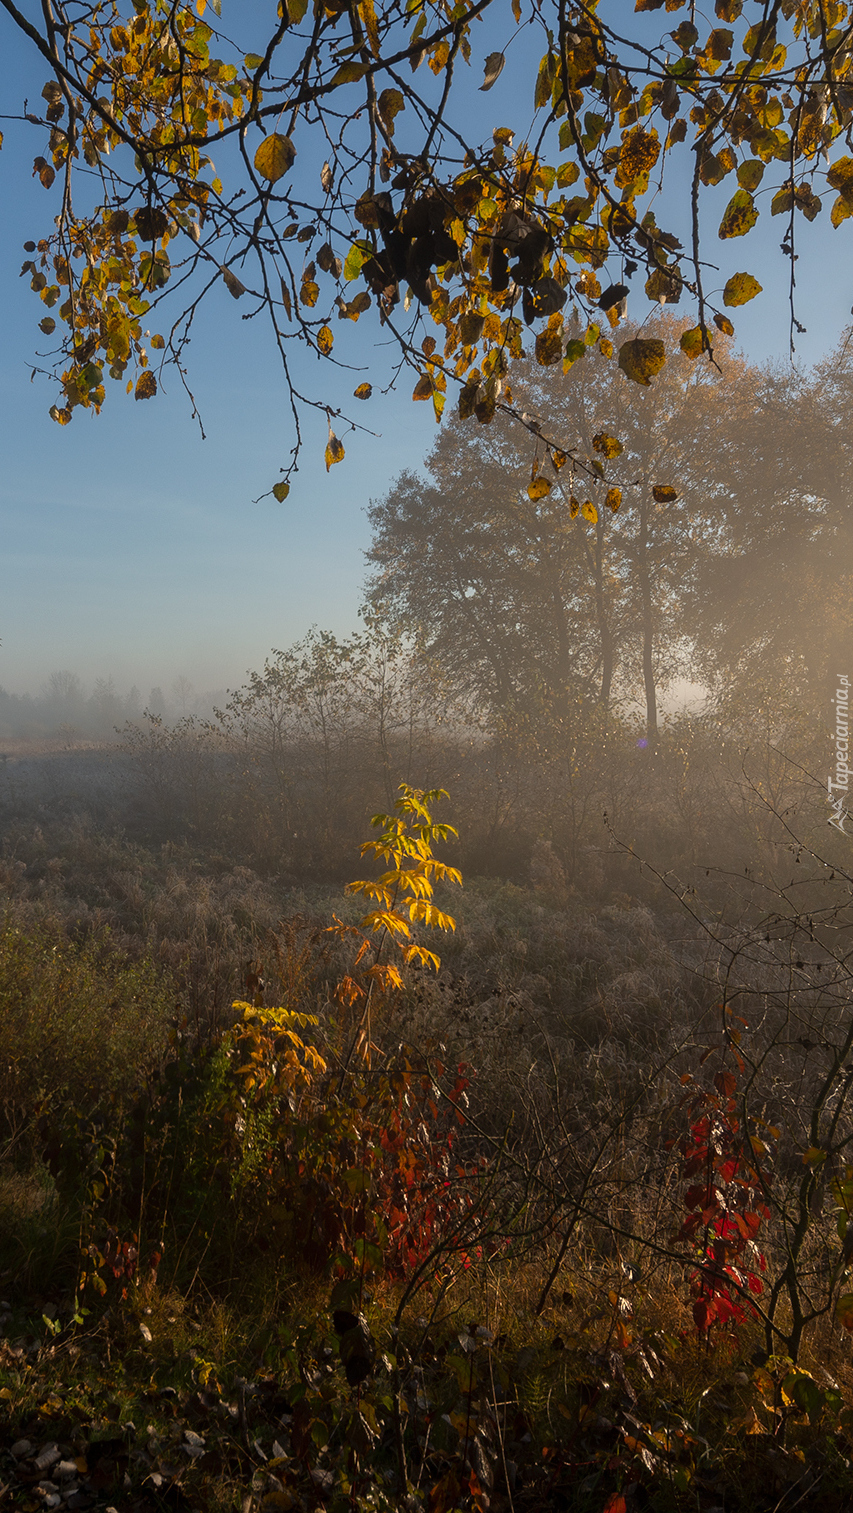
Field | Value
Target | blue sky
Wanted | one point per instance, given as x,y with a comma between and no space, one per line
132,548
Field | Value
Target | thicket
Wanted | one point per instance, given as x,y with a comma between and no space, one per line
565,1220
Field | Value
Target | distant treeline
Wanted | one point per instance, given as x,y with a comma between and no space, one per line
64,710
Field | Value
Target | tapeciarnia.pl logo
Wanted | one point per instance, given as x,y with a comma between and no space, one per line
836,788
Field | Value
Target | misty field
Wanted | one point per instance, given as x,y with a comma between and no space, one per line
292,1216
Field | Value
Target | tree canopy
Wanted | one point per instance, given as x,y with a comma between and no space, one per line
599,590
357,179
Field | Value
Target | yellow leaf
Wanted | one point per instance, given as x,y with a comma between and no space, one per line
538,489
589,511
639,153
614,499
723,324
740,288
739,217
281,491
641,359
608,446
334,451
363,391
325,340
691,343
274,157
146,385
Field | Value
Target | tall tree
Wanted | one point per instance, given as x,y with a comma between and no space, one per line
562,576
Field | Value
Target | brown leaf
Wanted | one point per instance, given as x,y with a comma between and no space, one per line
281,491
664,493
232,283
493,69
363,391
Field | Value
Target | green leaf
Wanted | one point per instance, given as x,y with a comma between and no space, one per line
274,157
356,258
739,217
281,491
740,288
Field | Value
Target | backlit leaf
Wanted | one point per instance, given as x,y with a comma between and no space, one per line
334,450
274,157
349,73
740,288
325,340
146,385
723,324
614,499
750,173
691,342
423,388
641,359
608,446
589,511
538,488
363,391
739,217
281,491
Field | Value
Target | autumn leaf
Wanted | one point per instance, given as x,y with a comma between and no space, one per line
538,489
750,174
48,325
363,391
549,343
608,446
334,450
664,493
325,340
281,491
641,359
740,288
589,511
391,102
723,324
840,177
613,499
494,68
423,388
274,157
232,283
739,217
146,385
691,343
640,151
